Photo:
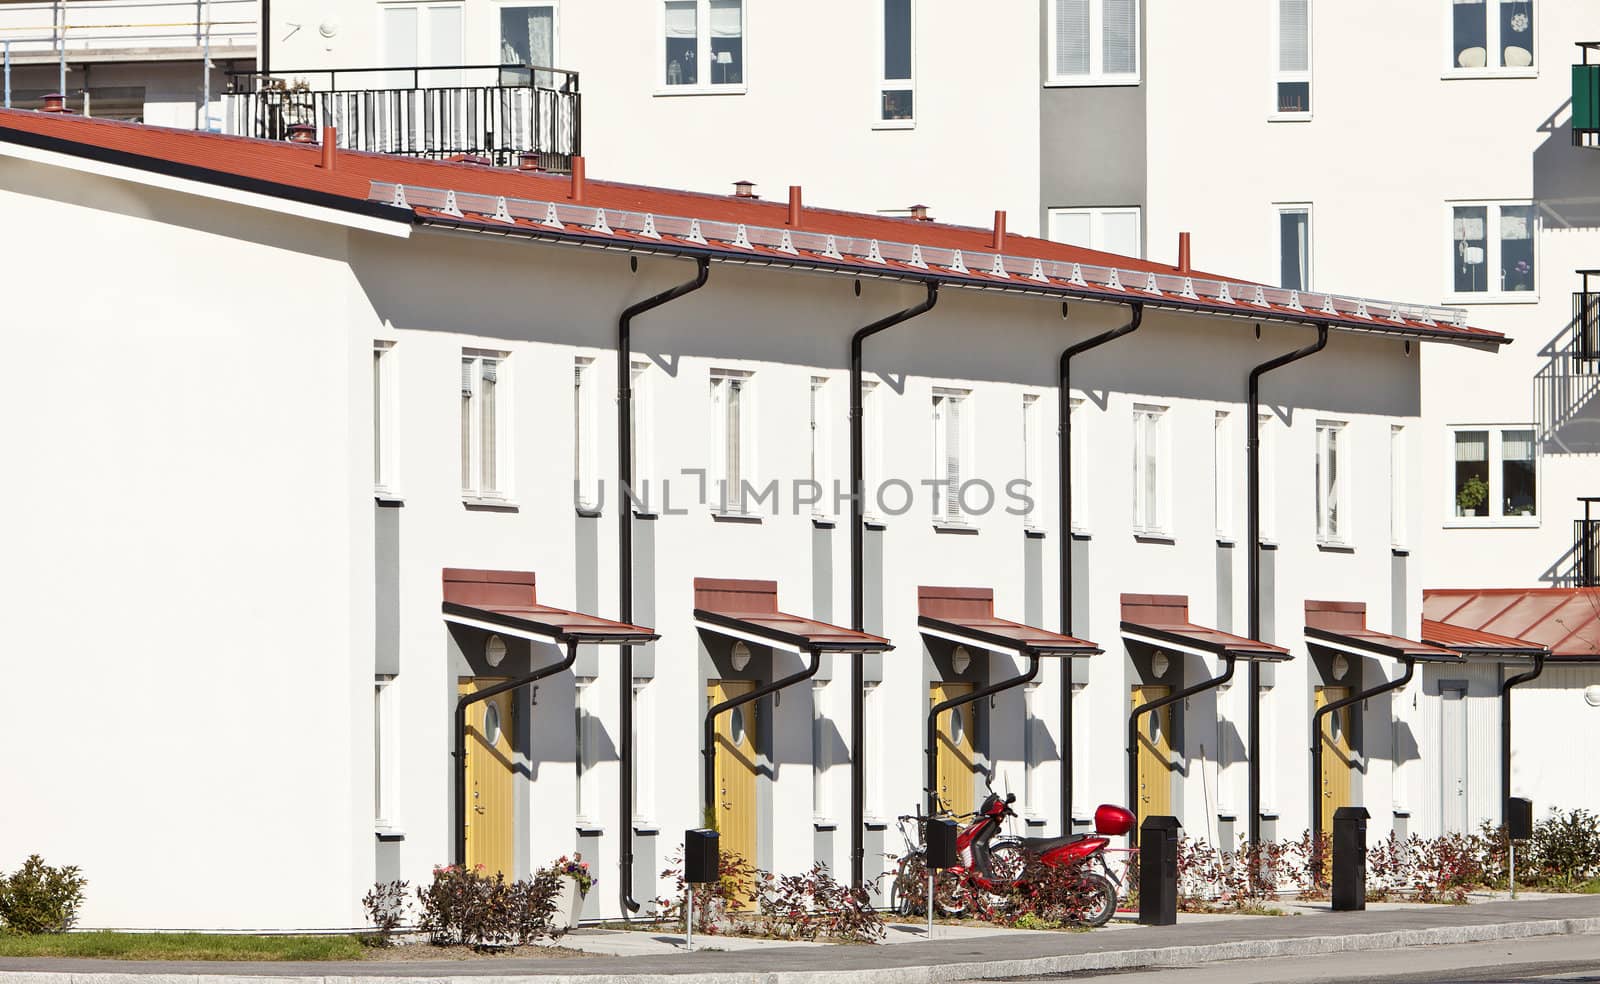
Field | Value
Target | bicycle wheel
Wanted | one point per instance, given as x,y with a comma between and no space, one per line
950,893
1096,900
910,887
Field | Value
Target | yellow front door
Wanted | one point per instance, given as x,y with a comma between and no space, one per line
736,770
1155,755
1338,755
954,781
491,764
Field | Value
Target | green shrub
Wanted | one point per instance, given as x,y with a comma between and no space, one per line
1566,847
467,907
387,905
37,898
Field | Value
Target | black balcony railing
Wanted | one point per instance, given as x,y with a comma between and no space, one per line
1586,548
498,112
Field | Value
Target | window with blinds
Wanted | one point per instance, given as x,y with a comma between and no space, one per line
1032,459
821,448
1151,456
485,427
732,441
951,451
1093,42
1291,64
384,458
585,436
703,43
1494,247
1496,479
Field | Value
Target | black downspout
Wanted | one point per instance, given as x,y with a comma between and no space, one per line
1228,660
1505,730
1253,558
1316,739
932,766
1064,506
467,700
625,559
858,588
708,751
264,55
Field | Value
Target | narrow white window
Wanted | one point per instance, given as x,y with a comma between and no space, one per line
1333,483
1110,230
1397,486
586,731
1032,460
585,435
1268,470
1093,42
385,798
1222,473
1294,246
1490,37
1496,479
732,440
897,88
384,403
485,426
1079,465
421,34
645,490
644,757
1032,801
821,447
1493,250
703,43
951,451
821,749
1291,75
1150,467
872,458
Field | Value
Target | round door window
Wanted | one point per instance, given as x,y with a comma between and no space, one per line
736,726
1336,725
1155,725
491,724
958,726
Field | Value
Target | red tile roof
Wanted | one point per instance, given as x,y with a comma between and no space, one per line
509,599
752,606
970,612
1345,622
1565,620
1166,617
1466,640
364,182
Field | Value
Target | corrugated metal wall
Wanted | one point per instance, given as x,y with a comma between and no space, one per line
1482,710
1555,741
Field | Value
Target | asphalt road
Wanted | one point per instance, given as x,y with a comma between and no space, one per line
1568,959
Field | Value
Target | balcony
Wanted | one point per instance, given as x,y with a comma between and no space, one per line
1586,546
496,112
1586,98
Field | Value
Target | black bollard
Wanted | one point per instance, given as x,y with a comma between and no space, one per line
941,843
701,861
1350,858
1158,871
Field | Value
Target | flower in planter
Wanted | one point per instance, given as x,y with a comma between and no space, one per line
575,868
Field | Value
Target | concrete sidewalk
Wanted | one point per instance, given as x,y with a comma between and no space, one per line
972,953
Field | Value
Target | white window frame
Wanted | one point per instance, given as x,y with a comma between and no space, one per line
644,757
1337,446
1493,45
1492,249
1223,478
726,500
1078,467
586,735
1267,471
1161,526
385,424
586,435
1279,210
555,25
702,53
822,446
1278,75
645,481
1399,506
886,84
949,511
1097,216
821,753
1032,459
1496,503
386,771
425,41
475,490
872,456
1096,75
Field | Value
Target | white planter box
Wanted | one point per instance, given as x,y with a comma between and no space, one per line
569,903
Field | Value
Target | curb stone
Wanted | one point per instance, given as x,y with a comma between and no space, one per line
935,974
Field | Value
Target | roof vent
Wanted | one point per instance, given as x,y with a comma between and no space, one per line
744,189
579,177
528,160
54,102
796,207
1183,253
999,243
303,133
330,147
920,213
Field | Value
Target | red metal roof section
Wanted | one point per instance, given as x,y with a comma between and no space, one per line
511,597
752,606
970,611
1168,616
1346,622
1445,634
295,166
1566,621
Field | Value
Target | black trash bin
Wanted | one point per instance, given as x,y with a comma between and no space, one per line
1158,871
1350,858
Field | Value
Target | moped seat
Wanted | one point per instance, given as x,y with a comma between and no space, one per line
1039,845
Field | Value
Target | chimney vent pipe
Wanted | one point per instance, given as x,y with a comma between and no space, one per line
1183,254
330,147
576,194
796,209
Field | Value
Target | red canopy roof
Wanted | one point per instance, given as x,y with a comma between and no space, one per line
610,213
969,612
751,607
1345,622
1165,618
1475,640
1564,620
508,600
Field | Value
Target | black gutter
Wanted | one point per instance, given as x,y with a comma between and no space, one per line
264,53
858,587
1505,729
1253,558
709,749
1316,738
467,700
931,787
625,562
1228,661
1064,485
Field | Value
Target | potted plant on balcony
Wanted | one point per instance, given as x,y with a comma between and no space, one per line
576,881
